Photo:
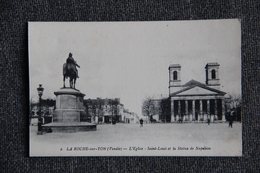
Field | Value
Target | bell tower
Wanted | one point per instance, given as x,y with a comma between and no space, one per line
174,77
212,75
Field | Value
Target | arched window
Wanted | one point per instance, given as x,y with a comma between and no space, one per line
213,74
175,75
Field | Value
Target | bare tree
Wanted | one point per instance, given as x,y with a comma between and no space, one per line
31,102
234,104
165,109
148,107
31,113
90,109
99,107
87,106
235,100
94,108
113,108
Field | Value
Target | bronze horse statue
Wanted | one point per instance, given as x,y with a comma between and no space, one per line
69,71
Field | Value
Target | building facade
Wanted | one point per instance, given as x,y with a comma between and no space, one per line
195,101
106,110
129,117
47,108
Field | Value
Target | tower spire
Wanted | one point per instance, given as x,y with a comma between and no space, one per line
212,75
174,77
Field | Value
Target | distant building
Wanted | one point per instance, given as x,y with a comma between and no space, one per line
157,114
156,109
195,101
105,110
47,107
129,117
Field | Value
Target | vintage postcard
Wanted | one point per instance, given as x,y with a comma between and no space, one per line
159,88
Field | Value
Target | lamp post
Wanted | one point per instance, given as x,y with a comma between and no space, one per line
40,92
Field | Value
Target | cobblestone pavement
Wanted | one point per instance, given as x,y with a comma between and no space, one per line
133,140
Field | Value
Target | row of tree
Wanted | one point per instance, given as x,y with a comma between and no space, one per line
93,107
234,103
45,105
161,107
98,107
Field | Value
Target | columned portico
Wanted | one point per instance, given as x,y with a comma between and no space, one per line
182,110
195,101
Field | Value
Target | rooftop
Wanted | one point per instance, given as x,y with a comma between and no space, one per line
174,65
212,63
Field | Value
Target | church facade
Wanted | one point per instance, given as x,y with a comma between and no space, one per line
195,101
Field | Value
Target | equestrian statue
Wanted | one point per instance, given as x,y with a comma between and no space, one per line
70,70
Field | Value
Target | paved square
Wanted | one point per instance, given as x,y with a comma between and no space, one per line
190,139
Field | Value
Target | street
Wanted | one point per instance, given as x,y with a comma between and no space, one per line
190,139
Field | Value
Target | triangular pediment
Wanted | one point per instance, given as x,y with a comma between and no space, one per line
197,91
195,88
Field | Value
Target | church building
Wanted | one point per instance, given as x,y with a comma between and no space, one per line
195,101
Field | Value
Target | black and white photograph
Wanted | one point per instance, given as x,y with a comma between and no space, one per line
158,88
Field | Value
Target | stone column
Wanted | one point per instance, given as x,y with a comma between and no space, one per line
216,109
223,110
193,109
191,114
179,109
172,111
208,110
200,114
186,109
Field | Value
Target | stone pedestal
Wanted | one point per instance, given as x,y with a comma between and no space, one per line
69,114
69,106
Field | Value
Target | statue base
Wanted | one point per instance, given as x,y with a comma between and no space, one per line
69,114
69,127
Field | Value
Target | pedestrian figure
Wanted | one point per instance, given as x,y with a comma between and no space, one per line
231,119
208,121
230,123
141,122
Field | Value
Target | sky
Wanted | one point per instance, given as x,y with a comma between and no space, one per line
130,60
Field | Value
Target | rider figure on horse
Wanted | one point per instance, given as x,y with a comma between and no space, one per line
71,64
